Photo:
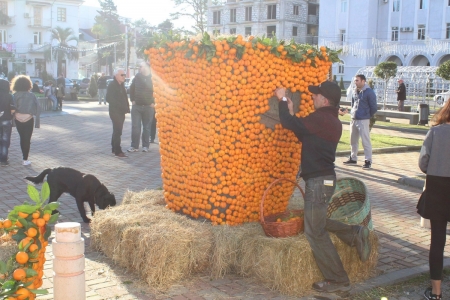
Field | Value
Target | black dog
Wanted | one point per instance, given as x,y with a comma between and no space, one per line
84,187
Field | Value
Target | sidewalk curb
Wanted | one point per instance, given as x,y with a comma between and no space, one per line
382,150
394,277
408,130
418,183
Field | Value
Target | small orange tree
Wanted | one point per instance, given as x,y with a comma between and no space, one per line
217,157
29,225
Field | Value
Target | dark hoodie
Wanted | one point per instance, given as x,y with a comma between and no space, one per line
6,101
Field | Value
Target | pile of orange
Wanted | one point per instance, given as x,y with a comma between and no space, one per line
217,158
29,226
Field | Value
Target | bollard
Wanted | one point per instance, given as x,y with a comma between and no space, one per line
68,264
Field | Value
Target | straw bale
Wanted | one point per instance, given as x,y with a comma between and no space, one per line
159,245
8,247
149,196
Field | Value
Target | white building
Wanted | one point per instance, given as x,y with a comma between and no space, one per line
287,19
25,34
408,32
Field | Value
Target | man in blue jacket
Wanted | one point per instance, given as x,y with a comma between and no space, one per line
364,106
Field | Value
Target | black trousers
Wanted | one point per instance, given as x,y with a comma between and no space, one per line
153,129
25,131
436,258
60,99
117,120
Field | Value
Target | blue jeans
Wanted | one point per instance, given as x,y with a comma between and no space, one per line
101,96
5,139
141,115
318,192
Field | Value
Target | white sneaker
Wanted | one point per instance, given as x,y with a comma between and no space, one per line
26,163
144,149
131,149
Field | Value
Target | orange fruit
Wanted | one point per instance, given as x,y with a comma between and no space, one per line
18,224
23,215
32,232
19,274
40,222
36,215
7,223
21,257
33,248
22,293
46,217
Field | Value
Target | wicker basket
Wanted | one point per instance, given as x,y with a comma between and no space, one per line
273,228
350,203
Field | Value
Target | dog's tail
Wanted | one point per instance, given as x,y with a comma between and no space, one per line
40,177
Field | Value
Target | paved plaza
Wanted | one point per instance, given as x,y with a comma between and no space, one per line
80,138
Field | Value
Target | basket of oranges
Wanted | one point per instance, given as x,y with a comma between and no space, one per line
285,224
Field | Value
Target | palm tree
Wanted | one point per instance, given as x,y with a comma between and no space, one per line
63,50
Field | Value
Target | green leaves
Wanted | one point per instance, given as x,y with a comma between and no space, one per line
53,218
444,70
386,70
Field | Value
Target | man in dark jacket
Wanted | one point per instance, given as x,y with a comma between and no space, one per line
320,133
7,110
143,109
101,84
116,95
60,90
401,95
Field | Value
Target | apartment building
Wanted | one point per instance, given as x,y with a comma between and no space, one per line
407,32
25,34
286,19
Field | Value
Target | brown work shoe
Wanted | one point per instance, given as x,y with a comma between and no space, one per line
121,155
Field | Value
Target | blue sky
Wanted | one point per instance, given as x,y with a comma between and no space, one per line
154,11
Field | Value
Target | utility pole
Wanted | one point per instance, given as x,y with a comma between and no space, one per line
126,49
98,54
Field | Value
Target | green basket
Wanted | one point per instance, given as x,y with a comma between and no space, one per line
350,203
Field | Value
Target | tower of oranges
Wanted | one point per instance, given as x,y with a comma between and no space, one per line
217,157
29,225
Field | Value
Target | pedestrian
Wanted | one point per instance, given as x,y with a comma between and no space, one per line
60,90
434,204
153,130
401,95
36,88
117,97
74,91
7,110
49,92
27,108
364,106
320,133
101,84
143,109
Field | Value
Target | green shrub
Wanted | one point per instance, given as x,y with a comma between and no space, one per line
93,88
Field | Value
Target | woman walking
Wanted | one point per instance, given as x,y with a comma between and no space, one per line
6,115
434,204
27,107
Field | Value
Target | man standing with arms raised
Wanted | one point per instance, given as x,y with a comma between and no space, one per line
143,109
116,95
320,133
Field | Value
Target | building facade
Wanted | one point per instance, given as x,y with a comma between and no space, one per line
407,32
286,19
25,35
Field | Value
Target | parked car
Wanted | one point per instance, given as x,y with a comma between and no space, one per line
84,83
40,84
441,98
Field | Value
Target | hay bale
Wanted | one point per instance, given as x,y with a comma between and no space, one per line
160,246
164,248
8,247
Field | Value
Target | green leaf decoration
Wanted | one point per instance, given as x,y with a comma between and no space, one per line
31,272
29,209
27,245
23,221
39,292
53,218
45,191
8,284
51,206
20,235
47,233
33,193
2,267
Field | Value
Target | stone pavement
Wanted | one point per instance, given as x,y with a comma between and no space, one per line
80,138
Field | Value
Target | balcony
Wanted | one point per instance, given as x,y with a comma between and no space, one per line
313,19
7,20
39,23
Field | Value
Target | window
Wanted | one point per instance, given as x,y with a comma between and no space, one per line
216,17
342,35
248,31
423,4
216,31
294,31
233,15
394,34
37,15
296,10
271,11
396,5
61,14
248,13
421,32
37,37
232,30
343,5
3,36
4,7
341,69
271,31
447,31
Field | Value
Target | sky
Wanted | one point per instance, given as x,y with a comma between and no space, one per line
154,11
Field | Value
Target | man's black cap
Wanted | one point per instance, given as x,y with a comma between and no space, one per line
329,90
